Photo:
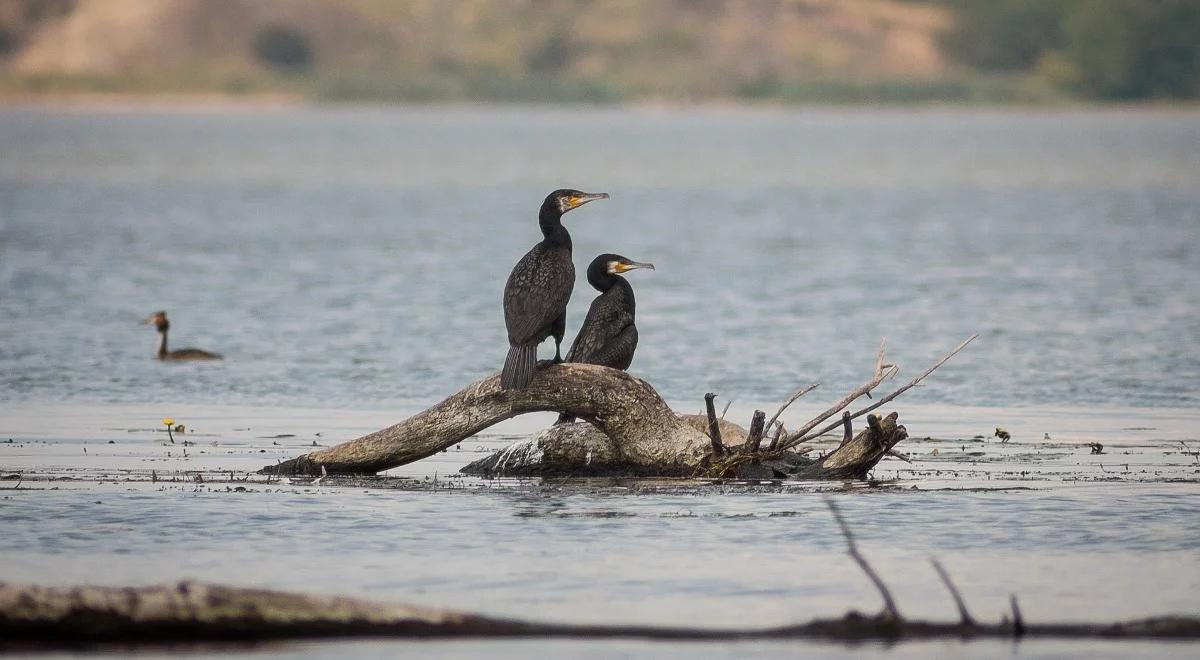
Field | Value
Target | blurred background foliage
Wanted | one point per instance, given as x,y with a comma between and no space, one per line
839,51
1102,49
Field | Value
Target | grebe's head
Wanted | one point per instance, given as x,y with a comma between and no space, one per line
158,320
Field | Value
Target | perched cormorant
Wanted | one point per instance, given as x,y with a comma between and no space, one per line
159,319
608,336
536,295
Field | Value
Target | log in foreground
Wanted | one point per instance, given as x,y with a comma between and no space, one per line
34,617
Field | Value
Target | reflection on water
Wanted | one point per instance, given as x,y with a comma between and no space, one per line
356,257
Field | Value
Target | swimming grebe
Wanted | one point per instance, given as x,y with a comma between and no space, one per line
159,319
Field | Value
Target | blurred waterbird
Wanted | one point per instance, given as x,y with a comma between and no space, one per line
1002,434
159,320
538,289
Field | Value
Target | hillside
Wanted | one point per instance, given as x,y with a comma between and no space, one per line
606,49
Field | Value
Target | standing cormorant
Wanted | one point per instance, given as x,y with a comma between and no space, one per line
608,336
536,295
159,319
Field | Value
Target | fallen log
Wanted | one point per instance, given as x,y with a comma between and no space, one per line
38,618
642,430
628,430
582,450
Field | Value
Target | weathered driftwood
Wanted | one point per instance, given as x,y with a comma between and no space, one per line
581,450
644,432
34,617
635,432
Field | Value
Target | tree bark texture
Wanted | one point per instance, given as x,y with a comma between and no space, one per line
629,431
644,433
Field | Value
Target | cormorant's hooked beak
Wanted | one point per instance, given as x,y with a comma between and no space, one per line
576,201
625,267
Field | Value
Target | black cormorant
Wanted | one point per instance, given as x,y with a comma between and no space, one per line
608,336
159,319
536,295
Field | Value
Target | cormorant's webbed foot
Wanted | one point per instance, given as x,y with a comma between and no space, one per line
542,364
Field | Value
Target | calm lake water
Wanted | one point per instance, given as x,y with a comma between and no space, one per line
356,258
349,264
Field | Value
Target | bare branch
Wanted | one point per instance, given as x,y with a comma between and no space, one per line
1018,623
880,366
889,606
790,400
755,437
726,408
963,615
775,438
797,436
911,384
714,427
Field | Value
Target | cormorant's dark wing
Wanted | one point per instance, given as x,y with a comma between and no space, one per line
618,351
608,337
537,293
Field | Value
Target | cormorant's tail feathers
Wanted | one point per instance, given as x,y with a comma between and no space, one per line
518,368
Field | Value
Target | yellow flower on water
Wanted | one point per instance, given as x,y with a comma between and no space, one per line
168,421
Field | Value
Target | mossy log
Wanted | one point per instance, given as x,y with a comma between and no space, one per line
35,617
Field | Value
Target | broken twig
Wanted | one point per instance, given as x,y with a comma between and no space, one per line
889,605
1018,623
790,400
800,436
714,427
755,437
963,615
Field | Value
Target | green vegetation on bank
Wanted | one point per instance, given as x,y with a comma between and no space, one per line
1099,49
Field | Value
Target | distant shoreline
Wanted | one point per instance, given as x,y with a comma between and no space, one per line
216,101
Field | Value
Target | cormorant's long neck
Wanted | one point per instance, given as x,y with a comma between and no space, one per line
553,229
162,343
